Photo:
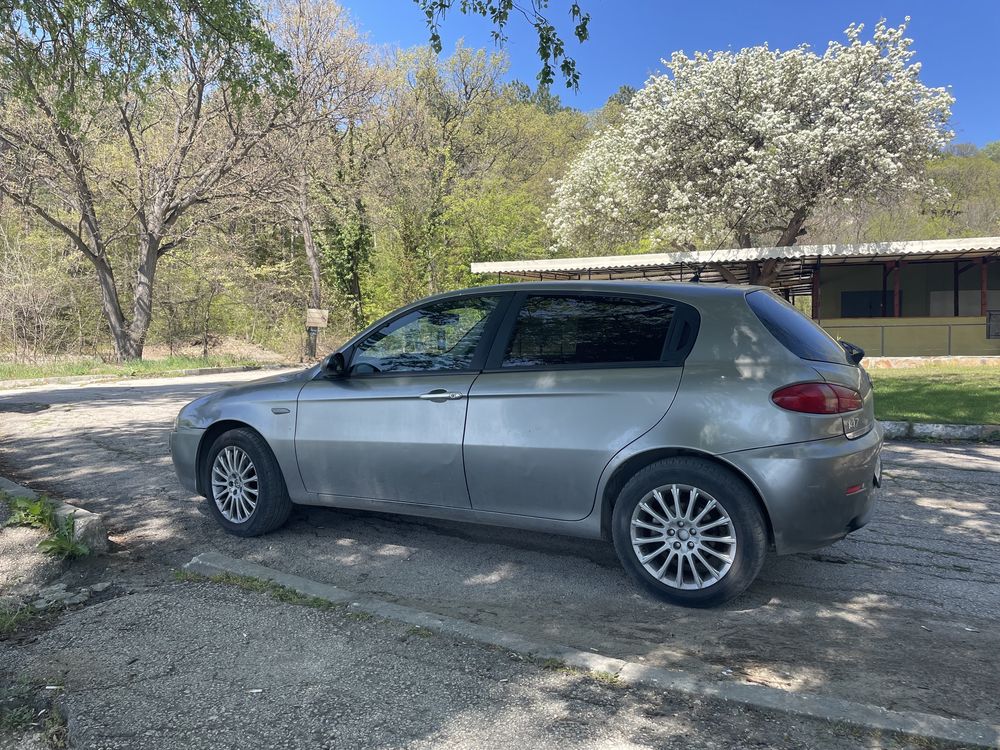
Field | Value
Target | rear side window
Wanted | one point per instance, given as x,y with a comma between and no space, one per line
795,331
588,330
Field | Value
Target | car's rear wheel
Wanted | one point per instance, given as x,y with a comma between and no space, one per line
689,532
244,486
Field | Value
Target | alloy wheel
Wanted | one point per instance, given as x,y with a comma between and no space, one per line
683,537
235,485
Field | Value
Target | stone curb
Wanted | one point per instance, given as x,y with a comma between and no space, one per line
927,726
922,431
84,379
88,527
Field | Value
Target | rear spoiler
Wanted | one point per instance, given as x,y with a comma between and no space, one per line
854,352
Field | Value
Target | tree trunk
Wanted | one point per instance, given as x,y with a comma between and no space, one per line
766,273
142,306
213,289
312,258
357,256
126,347
794,227
769,271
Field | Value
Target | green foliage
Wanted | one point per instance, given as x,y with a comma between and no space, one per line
423,165
21,710
541,97
103,48
551,46
966,205
37,513
47,304
991,151
17,718
490,223
62,543
347,244
13,615
446,165
623,96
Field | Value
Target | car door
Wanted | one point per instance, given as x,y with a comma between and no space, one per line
572,379
392,427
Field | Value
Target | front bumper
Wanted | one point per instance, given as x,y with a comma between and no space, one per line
184,444
804,487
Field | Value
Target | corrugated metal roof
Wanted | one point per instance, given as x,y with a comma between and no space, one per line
610,263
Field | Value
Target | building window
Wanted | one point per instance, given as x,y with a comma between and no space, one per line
867,304
993,324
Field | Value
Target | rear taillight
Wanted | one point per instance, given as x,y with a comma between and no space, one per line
817,398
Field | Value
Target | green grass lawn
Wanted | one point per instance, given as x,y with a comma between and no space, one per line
946,395
145,367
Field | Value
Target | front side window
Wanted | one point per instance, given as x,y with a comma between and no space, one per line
588,330
439,336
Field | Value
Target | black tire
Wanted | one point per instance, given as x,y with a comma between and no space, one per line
273,504
739,504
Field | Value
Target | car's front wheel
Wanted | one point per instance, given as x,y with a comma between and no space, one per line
689,531
244,486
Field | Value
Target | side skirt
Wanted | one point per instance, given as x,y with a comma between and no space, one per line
589,527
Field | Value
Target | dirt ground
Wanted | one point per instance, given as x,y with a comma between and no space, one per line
902,614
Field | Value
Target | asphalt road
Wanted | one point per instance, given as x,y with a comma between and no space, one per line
192,666
901,614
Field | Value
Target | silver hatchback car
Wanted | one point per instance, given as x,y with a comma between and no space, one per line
695,426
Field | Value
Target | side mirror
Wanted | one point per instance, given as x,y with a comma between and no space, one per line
334,365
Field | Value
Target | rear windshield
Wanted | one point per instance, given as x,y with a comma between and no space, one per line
795,331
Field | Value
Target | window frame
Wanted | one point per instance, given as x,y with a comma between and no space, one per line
483,347
674,351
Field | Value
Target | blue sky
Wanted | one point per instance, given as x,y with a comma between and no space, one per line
957,41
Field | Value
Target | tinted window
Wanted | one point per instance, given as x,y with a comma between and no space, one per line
795,331
588,330
439,336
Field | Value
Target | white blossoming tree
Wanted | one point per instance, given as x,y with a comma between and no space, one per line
741,149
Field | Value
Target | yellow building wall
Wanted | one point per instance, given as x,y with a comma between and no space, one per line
917,282
915,337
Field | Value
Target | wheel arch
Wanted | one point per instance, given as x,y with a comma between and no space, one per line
633,464
209,437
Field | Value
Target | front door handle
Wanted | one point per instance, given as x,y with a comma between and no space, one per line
440,394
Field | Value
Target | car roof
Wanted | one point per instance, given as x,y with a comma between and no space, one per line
681,291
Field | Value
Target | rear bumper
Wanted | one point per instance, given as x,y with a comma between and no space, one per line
804,487
184,444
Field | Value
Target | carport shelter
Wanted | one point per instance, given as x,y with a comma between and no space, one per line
919,298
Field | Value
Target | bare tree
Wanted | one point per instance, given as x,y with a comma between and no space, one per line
335,85
130,163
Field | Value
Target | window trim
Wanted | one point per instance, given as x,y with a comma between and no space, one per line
671,356
478,358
